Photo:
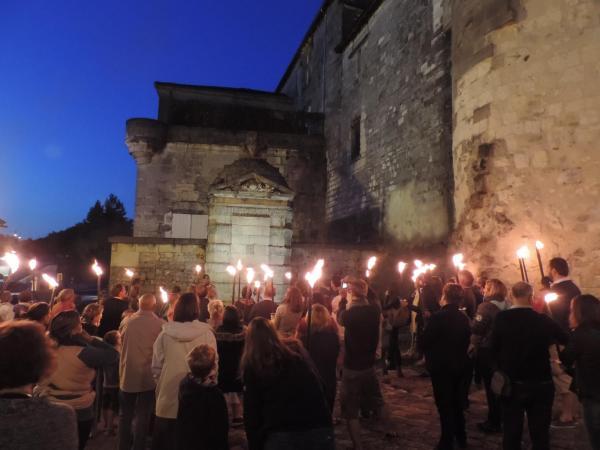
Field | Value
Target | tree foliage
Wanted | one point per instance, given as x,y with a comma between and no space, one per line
75,248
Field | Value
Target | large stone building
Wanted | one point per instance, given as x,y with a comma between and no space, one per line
400,127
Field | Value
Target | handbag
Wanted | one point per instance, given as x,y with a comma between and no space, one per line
501,384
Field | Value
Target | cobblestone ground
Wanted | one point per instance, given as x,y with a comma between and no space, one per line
415,422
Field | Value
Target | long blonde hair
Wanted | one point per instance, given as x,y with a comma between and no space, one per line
320,317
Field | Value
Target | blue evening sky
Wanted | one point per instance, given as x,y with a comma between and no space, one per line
73,71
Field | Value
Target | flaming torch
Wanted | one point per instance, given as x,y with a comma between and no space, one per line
239,266
98,271
12,259
549,298
267,271
312,277
288,276
257,287
231,270
523,254
539,245
129,274
401,267
459,265
370,264
198,270
32,266
52,284
164,295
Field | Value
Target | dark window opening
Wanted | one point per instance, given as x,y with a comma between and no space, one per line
355,139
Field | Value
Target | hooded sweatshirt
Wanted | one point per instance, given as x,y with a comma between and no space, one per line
169,365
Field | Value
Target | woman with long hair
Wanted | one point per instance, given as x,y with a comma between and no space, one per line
90,318
324,349
583,351
78,355
245,304
216,309
169,365
494,295
230,345
284,404
64,301
289,313
28,422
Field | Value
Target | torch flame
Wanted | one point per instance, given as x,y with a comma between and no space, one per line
198,269
249,274
418,263
164,296
457,259
523,252
539,245
51,281
288,275
32,264
239,266
401,266
129,273
97,269
551,297
257,284
367,273
267,270
313,276
12,259
231,270
371,262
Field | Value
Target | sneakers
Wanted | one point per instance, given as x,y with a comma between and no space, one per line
559,424
488,428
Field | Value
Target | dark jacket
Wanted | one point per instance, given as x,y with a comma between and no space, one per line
561,308
230,345
264,308
244,309
202,420
324,349
361,333
481,328
520,341
291,400
112,315
203,304
469,301
445,341
583,350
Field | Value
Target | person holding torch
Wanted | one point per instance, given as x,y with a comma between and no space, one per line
360,386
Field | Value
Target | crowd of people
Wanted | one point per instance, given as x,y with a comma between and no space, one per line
180,374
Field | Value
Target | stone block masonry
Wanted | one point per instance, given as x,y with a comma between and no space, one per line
527,133
162,262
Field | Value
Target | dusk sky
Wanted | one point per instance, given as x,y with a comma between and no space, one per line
72,72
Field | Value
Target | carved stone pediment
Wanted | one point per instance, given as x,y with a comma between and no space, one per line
251,176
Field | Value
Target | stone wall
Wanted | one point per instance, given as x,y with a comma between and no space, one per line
526,133
176,177
254,230
392,77
158,262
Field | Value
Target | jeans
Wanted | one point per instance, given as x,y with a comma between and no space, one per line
137,406
535,400
165,434
484,362
317,439
83,431
591,416
448,392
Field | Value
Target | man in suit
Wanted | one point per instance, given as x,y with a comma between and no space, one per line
566,290
519,344
445,342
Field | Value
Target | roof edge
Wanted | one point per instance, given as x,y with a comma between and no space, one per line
315,23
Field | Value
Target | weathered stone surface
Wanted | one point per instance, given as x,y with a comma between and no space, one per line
157,265
540,178
393,77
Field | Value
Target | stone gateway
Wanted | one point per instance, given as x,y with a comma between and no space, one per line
401,128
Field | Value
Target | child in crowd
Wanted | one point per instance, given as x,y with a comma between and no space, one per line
202,420
110,386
